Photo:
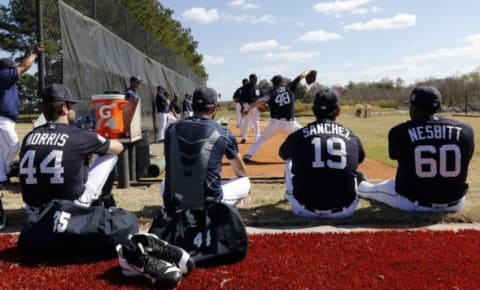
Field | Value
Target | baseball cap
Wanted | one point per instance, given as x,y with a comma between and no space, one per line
204,96
56,93
135,79
326,100
277,80
426,97
7,63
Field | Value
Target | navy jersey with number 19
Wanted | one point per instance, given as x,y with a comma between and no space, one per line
325,156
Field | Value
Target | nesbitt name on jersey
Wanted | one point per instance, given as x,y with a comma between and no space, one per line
326,128
442,132
50,139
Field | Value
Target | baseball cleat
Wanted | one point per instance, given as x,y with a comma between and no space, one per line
134,261
161,249
243,141
247,158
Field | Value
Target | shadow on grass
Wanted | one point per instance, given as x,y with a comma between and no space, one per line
376,215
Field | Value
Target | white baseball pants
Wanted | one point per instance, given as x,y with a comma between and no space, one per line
385,192
9,146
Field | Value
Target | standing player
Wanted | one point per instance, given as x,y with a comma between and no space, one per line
433,155
162,104
321,163
250,93
54,157
281,101
187,109
131,93
9,109
238,106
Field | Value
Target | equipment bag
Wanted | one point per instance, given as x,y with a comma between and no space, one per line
213,236
62,227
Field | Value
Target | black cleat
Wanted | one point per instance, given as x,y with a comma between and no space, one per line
360,177
134,261
243,141
161,249
247,158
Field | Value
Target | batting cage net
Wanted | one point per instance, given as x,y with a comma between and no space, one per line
95,46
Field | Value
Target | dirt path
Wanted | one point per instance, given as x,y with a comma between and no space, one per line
266,163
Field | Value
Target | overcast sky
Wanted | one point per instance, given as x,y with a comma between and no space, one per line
357,40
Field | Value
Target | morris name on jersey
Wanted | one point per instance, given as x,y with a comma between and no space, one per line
48,139
439,132
326,128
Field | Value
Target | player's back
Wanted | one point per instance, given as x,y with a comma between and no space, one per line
433,155
325,156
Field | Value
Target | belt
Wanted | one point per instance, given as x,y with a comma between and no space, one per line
325,211
284,119
435,205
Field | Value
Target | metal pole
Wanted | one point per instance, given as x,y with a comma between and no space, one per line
41,57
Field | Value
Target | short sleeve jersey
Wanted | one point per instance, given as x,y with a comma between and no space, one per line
194,147
161,102
433,155
325,156
131,93
281,100
187,105
54,162
9,98
250,93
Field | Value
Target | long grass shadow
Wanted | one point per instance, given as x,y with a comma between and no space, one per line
376,215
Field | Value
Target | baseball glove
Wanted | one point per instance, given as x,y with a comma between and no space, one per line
311,77
262,107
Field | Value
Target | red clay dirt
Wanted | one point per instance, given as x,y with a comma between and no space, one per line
267,164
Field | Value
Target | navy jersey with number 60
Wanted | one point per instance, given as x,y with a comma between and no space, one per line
325,156
433,156
54,162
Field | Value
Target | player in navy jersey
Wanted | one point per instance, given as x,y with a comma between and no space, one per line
194,148
54,157
249,94
433,154
281,102
321,163
238,106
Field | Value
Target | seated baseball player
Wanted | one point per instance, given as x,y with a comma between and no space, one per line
59,184
433,154
194,148
54,157
321,163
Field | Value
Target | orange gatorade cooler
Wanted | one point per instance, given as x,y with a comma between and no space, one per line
109,115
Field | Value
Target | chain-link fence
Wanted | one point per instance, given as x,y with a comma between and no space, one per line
114,17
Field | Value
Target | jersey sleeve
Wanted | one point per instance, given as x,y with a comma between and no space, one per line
93,143
393,143
285,150
9,77
293,85
231,148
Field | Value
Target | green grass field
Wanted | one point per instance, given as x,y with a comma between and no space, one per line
267,207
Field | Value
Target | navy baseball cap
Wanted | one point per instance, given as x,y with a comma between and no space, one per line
7,63
277,80
135,79
426,97
204,96
56,93
326,100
